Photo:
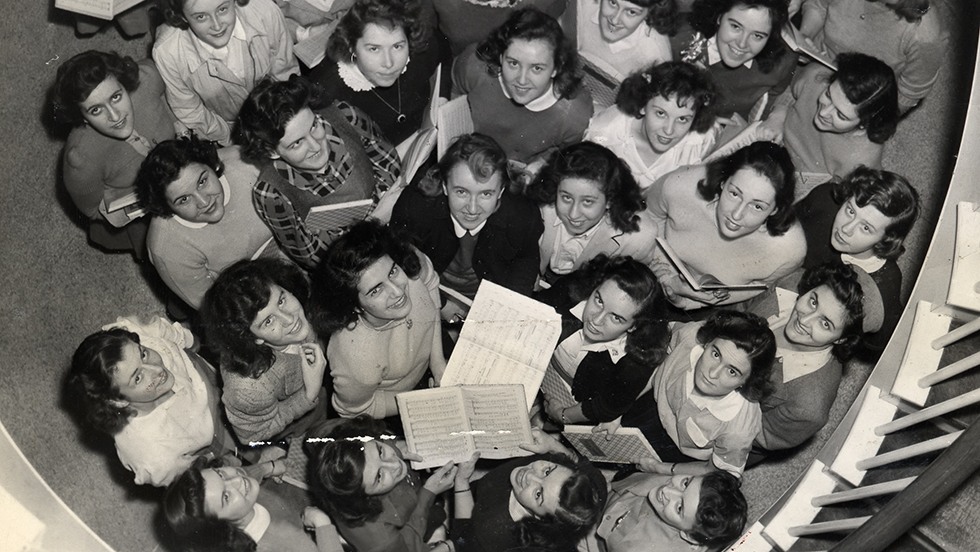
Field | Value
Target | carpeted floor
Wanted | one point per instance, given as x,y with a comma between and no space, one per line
56,289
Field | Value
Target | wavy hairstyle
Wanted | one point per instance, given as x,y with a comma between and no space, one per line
689,84
83,73
770,160
722,510
173,12
388,14
481,154
843,283
594,162
92,368
751,334
163,165
533,24
268,109
706,16
909,10
183,508
335,304
870,85
232,303
892,195
663,16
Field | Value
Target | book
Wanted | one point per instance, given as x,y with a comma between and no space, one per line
102,9
338,216
557,386
453,119
507,339
122,210
626,446
704,282
799,43
451,423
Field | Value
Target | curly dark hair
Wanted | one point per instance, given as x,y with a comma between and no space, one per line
892,195
173,12
870,85
92,368
751,334
689,84
82,74
722,510
334,303
706,16
533,24
268,109
163,165
843,283
591,161
910,10
390,14
770,160
200,531
231,304
662,17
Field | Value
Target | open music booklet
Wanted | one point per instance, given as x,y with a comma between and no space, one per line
705,282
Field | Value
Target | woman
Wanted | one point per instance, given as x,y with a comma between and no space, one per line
311,153
833,122
116,108
863,220
707,395
140,383
212,507
621,37
590,204
211,53
371,49
731,221
738,42
906,34
524,87
203,220
614,334
272,364
363,481
378,300
662,120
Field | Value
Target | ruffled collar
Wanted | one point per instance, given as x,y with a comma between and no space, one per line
352,76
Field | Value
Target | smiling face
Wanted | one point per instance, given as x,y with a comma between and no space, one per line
471,202
537,486
211,20
304,142
857,230
742,34
229,493
109,110
618,19
381,54
745,202
722,368
609,313
383,468
817,320
666,121
282,321
196,195
382,292
675,499
580,204
527,68
140,375
835,113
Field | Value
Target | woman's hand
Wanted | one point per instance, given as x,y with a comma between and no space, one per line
609,428
649,464
545,443
770,130
464,471
315,517
314,365
553,409
442,479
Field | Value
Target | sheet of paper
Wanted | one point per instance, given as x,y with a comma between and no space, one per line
453,119
103,9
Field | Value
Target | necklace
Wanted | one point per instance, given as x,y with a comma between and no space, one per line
401,116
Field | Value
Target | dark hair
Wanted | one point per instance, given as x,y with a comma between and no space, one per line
650,335
481,154
909,10
335,303
83,73
722,510
532,24
691,86
662,16
173,12
337,470
889,193
591,161
870,85
268,109
751,334
393,14
183,507
581,501
92,368
770,160
843,282
706,16
231,304
163,165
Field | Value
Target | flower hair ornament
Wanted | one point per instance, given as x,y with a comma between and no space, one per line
697,51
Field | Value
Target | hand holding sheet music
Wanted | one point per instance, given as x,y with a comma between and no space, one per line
704,282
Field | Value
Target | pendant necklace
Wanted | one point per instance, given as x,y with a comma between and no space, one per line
401,116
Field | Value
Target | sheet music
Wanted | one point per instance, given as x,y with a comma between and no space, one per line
103,9
453,119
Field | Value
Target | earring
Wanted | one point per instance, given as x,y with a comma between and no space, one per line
409,60
353,57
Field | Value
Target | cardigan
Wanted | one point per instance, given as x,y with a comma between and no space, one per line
467,22
606,240
506,250
403,523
